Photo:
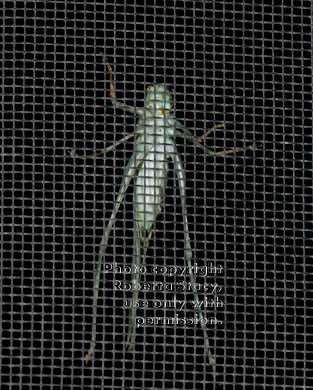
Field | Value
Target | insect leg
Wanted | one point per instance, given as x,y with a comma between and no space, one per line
137,111
237,150
216,127
188,252
140,251
183,131
104,151
133,164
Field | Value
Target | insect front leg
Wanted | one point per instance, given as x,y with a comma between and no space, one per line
133,164
116,103
179,169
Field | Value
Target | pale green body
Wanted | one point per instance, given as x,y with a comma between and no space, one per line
154,146
150,183
151,178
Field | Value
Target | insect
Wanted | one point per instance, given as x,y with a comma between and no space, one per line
149,168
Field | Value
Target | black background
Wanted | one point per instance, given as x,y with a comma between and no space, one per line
228,61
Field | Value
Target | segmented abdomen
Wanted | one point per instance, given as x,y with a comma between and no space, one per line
150,183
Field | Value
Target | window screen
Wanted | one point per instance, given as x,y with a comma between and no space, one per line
242,64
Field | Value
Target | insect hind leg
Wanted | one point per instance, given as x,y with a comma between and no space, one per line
188,251
140,250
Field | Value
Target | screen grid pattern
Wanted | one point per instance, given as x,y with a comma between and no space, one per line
244,64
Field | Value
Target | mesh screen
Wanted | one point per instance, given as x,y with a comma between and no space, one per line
250,214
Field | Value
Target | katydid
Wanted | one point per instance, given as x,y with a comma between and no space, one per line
149,168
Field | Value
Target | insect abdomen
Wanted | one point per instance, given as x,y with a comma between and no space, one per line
150,183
